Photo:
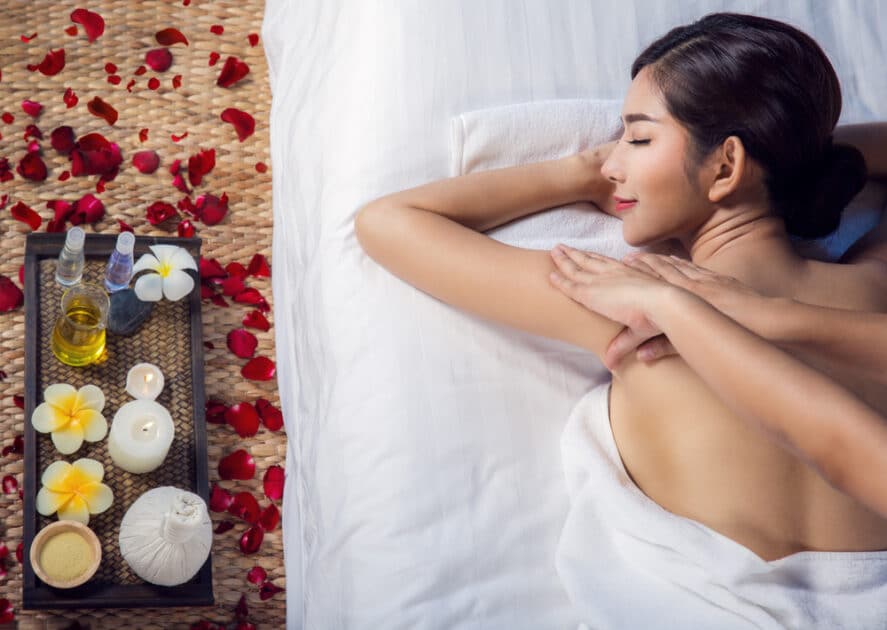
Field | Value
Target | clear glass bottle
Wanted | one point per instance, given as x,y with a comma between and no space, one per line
118,272
69,268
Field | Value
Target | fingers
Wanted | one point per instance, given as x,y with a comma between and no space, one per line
665,267
655,348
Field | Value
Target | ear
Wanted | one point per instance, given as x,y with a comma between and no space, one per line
729,165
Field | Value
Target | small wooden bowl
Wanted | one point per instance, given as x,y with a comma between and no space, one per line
60,527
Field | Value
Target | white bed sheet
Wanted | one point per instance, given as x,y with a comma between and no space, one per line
424,485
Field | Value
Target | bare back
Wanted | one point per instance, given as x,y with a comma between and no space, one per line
692,455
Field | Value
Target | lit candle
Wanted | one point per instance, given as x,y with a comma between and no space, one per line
140,435
144,381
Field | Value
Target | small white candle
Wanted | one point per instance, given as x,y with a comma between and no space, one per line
144,381
140,435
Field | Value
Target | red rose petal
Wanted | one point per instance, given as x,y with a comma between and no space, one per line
212,209
252,539
94,155
32,108
174,167
159,59
32,167
11,297
98,107
176,138
153,83
244,124
211,268
200,164
219,499
215,411
252,296
114,79
170,36
223,527
124,226
256,575
7,612
218,300
70,98
52,64
160,211
177,82
23,213
110,68
258,267
185,229
243,418
129,85
269,590
140,71
233,286
64,176
209,345
61,208
253,39
273,482
19,401
62,139
261,167
91,22
26,39
214,58
271,416
18,553
87,209
269,519
4,551
8,118
232,72
241,610
10,486
71,30
236,269
143,135
245,507
179,183
242,343
237,465
255,319
216,29
146,161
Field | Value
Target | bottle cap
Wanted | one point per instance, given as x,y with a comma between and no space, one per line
125,242
75,237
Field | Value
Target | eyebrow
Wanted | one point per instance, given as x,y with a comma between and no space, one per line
630,118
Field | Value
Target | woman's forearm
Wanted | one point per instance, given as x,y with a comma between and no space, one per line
871,140
484,200
839,435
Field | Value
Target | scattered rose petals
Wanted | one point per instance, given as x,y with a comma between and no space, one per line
243,418
124,226
71,30
245,506
177,82
255,319
256,575
19,401
253,39
211,209
130,85
32,108
179,183
219,499
269,519
237,465
26,39
32,167
159,59
252,296
52,64
214,58
143,135
140,71
234,268
94,155
5,172
215,411
146,161
211,268
18,553
91,22
8,118
242,343
261,167
160,211
11,297
33,131
62,139
218,300
153,83
110,68
7,612
70,98
176,138
23,213
241,610
258,267
252,539
223,527
244,124
170,36
269,590
185,229
98,107
200,164
10,485
232,286
17,446
273,482
87,209
216,29
271,416
114,79
209,345
232,72
64,176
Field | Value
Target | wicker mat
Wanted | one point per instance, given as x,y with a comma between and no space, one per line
193,107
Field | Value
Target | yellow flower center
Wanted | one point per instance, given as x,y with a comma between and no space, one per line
164,269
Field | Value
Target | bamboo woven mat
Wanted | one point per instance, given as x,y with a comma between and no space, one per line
194,107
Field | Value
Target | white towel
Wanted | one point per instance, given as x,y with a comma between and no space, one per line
532,132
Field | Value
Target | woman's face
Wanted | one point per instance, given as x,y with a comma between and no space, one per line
647,166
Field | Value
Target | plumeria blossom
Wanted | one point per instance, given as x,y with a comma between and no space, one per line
74,490
170,279
71,415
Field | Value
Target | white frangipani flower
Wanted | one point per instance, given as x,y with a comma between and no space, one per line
169,280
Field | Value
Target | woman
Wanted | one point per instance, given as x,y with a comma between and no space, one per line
728,126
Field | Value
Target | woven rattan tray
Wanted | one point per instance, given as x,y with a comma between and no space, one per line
172,339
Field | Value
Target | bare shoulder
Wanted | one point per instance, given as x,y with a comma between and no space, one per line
857,286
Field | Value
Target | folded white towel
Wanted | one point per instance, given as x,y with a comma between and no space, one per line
531,132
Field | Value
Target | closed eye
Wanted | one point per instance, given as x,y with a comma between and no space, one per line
638,142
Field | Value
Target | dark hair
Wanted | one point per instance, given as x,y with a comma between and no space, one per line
772,86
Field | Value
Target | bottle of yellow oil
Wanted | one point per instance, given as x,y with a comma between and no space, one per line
79,335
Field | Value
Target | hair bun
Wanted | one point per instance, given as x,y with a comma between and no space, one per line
820,202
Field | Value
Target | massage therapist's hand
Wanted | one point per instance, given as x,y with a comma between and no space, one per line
612,289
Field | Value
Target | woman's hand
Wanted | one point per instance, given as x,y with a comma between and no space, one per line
614,290
596,188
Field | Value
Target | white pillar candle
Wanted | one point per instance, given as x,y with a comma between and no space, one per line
140,435
144,381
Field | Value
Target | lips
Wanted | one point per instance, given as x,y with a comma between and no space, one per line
624,204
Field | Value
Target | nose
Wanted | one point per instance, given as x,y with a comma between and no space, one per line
612,166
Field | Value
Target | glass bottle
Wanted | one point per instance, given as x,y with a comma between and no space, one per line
118,272
69,268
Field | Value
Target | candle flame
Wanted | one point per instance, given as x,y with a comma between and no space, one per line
149,377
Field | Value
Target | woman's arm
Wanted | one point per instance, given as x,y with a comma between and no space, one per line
841,437
430,237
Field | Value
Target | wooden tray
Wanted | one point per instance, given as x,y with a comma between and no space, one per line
172,339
